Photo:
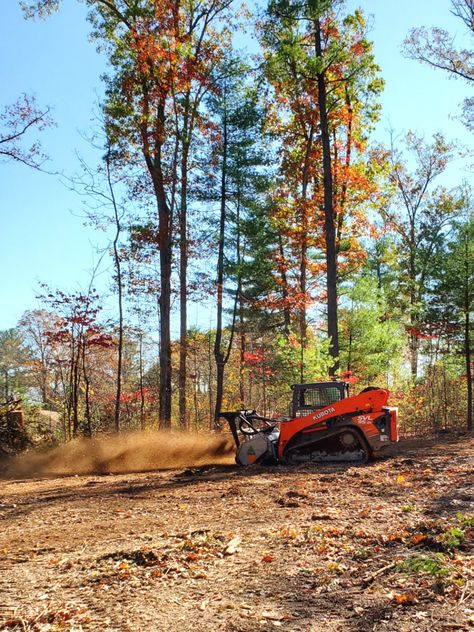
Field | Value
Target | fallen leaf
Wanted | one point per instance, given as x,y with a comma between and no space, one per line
232,546
403,599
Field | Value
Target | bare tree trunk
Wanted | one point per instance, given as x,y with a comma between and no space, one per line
87,412
303,273
250,389
221,356
467,342
183,268
304,251
467,336
165,309
414,344
414,341
165,334
242,352
218,354
154,161
209,382
142,394
445,396
330,233
284,289
190,112
118,272
195,387
75,397
240,308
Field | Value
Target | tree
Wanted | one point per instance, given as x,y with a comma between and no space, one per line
33,326
165,50
72,334
100,187
436,47
208,52
13,363
235,180
451,297
325,79
419,216
159,51
371,341
17,122
117,218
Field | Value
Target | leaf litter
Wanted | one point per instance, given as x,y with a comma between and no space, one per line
219,548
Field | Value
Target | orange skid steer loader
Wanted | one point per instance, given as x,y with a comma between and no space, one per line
325,425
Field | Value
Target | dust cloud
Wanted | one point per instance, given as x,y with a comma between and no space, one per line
130,452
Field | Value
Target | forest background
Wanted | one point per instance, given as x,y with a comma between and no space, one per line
254,223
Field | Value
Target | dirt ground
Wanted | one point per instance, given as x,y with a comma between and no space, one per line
384,547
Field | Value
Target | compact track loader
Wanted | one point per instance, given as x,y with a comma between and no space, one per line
325,425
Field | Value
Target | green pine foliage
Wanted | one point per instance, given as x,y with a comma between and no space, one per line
371,342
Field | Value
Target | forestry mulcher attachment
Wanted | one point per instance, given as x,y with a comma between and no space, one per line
325,425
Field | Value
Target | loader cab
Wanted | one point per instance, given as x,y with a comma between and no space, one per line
310,397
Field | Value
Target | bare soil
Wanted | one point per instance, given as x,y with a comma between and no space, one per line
384,547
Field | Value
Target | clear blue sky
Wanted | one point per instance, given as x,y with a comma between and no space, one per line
42,239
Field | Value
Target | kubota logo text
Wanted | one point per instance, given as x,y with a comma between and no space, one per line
324,413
